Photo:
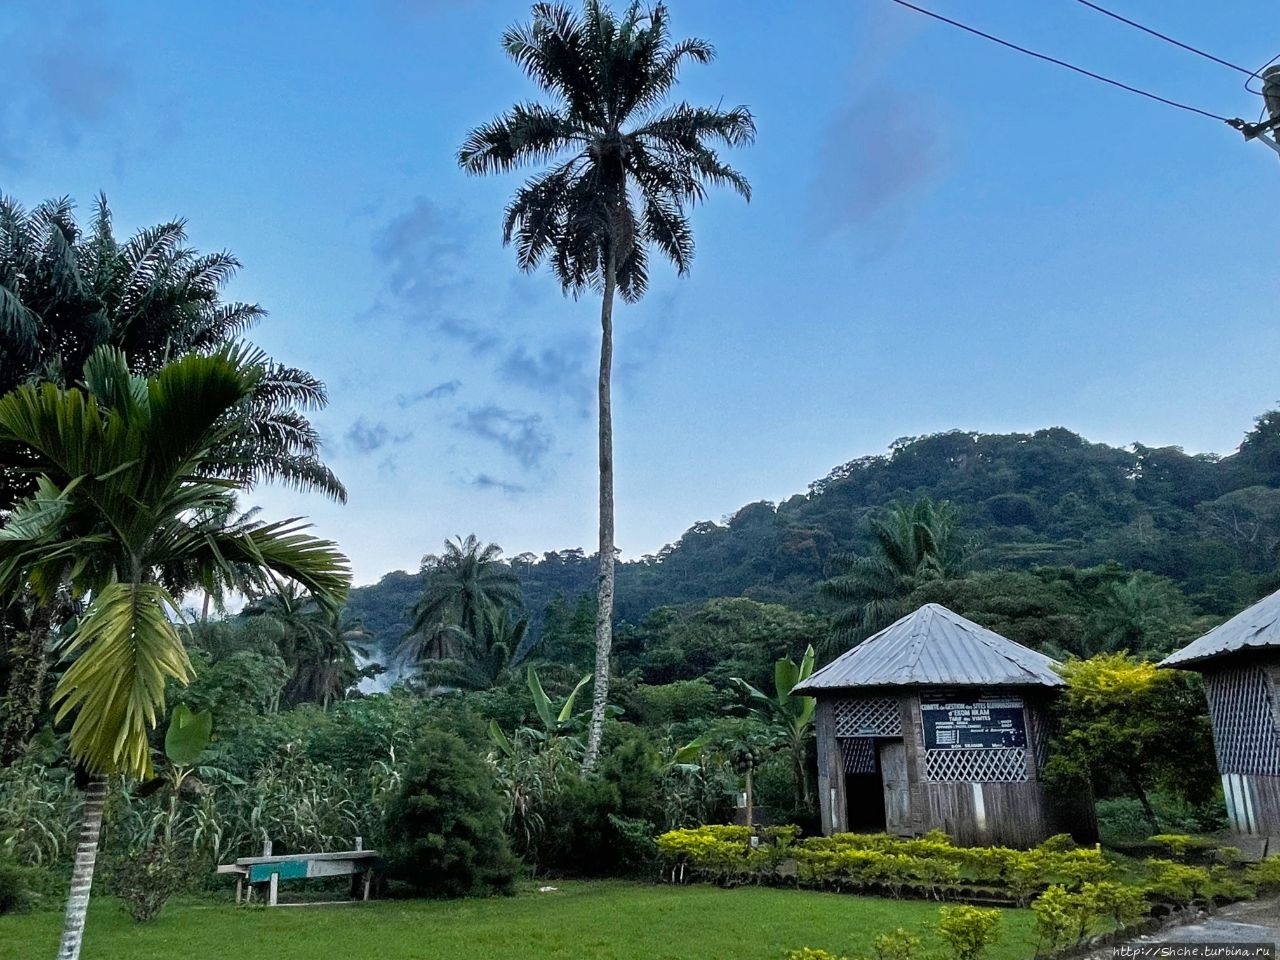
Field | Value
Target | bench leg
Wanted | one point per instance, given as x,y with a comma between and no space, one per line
239,889
275,885
368,881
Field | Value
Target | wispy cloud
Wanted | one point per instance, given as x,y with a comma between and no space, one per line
364,437
438,392
518,434
423,250
559,370
486,482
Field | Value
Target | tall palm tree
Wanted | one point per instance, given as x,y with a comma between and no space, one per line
466,587
66,291
623,167
126,513
913,544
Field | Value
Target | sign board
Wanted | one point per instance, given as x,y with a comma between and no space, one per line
974,725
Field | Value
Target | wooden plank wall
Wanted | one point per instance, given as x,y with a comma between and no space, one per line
1266,804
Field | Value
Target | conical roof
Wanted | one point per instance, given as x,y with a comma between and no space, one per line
935,647
1255,628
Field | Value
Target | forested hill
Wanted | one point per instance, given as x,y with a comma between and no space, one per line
1210,523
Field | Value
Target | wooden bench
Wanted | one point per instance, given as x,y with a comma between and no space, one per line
270,870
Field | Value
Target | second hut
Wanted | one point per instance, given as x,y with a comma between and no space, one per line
938,723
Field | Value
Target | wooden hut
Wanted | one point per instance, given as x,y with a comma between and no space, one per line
938,723
1240,663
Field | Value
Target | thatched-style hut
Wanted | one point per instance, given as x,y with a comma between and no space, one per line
1240,662
938,723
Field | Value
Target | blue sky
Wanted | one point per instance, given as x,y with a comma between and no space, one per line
943,234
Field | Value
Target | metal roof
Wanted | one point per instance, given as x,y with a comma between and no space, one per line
935,647
1255,628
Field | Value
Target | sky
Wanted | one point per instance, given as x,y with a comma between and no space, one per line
943,234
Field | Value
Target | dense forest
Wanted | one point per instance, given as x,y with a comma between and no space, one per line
1046,520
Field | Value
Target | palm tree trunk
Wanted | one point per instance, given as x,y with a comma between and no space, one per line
95,796
604,590
20,706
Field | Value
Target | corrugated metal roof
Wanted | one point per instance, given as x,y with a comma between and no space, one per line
935,647
1255,628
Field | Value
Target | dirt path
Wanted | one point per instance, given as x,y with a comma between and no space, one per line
1256,921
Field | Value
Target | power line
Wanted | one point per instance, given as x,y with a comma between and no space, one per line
1061,63
1177,43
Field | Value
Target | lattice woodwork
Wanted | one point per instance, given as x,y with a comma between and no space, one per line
858,754
868,717
1242,706
1039,734
1006,765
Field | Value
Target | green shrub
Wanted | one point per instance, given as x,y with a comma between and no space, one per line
145,878
1265,875
968,931
444,823
1177,881
16,894
811,953
898,944
1121,903
1062,919
1177,845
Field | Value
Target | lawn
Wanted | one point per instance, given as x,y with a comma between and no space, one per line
581,921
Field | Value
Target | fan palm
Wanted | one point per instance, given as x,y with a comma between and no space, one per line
623,169
126,513
466,588
913,544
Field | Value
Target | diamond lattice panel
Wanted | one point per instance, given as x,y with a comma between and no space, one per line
976,766
868,717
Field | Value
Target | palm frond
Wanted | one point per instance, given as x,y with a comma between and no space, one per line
125,649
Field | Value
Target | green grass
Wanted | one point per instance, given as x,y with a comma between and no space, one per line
581,921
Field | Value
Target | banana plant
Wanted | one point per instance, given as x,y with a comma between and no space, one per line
185,743
788,716
555,722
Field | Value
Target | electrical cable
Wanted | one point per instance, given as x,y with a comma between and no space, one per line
1257,75
1061,63
1177,43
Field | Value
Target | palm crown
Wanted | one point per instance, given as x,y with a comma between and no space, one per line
130,510
623,167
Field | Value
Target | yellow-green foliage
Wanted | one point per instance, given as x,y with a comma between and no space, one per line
1119,903
931,864
968,931
1062,919
1178,844
900,944
1265,875
811,953
1176,881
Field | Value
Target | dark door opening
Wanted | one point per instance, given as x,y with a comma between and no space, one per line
864,795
